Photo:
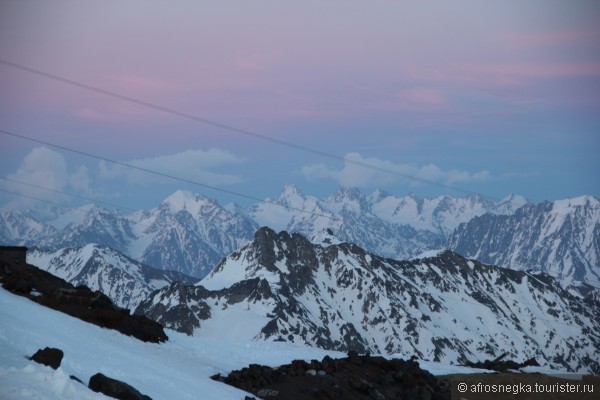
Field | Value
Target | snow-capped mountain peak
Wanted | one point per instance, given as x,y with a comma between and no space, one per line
290,191
184,200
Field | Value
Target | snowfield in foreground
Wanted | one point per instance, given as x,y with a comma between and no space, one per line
178,369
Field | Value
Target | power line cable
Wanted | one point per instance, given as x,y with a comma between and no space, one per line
42,200
169,176
233,129
67,193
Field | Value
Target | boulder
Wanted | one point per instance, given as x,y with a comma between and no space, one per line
48,356
115,388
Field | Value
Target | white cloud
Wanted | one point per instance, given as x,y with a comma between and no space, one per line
356,173
194,165
46,168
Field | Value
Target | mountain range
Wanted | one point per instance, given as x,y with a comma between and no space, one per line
336,295
190,233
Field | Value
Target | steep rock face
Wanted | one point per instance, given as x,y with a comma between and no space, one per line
282,287
561,238
125,281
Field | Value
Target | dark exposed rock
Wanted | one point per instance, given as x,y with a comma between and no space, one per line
48,356
115,388
80,302
353,378
501,365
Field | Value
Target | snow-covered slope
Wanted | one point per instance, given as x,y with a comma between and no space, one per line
441,214
444,308
178,369
125,281
561,238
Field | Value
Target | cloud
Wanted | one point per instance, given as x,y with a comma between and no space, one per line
48,169
193,165
355,173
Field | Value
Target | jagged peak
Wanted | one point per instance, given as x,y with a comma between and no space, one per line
569,204
514,198
291,194
186,200
345,196
291,188
378,195
511,203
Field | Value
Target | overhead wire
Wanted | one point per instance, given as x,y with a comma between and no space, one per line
67,193
78,209
232,128
165,175
39,199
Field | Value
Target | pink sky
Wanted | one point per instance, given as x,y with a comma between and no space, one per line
392,72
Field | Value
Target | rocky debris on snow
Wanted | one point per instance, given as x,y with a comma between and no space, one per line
80,302
355,377
48,356
497,364
115,388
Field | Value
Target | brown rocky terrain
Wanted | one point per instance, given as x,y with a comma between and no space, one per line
91,306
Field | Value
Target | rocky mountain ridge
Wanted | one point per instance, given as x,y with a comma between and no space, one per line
99,267
560,238
281,287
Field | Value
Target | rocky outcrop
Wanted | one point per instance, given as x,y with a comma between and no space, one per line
80,302
115,388
352,378
48,356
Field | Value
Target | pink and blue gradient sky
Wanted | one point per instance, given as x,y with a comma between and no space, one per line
493,97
